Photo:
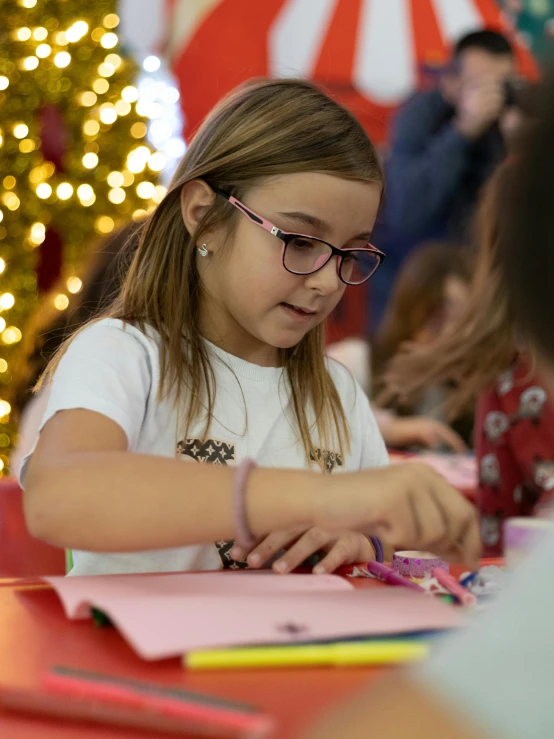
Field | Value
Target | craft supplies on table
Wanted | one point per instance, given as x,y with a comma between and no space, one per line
169,615
417,564
342,654
188,711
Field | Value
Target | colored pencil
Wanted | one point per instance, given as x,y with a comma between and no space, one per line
340,654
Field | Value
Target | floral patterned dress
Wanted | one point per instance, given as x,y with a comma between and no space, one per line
514,439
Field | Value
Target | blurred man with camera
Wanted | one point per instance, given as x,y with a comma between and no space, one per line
445,144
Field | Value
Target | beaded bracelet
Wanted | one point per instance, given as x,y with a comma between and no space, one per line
244,537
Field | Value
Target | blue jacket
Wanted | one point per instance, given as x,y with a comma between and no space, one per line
433,179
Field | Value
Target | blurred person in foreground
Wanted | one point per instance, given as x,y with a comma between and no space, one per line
445,144
485,358
429,293
494,679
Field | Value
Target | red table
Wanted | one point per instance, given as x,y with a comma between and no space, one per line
35,634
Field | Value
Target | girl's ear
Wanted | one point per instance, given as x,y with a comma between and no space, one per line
196,199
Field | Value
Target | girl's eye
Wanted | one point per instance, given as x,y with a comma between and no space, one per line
350,256
299,242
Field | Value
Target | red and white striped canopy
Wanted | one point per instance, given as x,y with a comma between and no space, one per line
370,54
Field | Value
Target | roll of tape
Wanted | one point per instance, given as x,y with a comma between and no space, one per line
521,535
417,564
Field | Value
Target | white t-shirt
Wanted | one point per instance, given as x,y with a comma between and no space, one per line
114,369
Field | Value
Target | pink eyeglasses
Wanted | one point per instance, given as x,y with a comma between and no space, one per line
304,255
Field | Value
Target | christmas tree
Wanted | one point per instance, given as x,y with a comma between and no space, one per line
64,86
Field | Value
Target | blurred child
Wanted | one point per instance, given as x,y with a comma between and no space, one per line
484,358
430,292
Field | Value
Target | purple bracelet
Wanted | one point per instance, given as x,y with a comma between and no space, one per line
378,546
244,537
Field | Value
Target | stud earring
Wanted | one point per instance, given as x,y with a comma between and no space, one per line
203,251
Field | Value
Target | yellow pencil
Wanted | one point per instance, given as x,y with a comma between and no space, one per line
336,654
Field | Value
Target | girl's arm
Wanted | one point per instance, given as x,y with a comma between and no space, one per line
83,490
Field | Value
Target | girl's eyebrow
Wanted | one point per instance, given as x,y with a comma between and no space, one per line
317,223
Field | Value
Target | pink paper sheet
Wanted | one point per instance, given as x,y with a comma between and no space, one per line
167,615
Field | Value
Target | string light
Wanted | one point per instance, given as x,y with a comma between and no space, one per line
109,40
4,82
23,34
11,335
61,38
156,162
62,59
64,190
38,233
43,50
151,64
111,20
27,146
7,301
139,130
74,285
44,190
2,266
114,60
30,63
106,69
2,327
116,179
101,86
40,33
90,160
61,301
116,195
5,408
88,99
145,190
104,225
91,128
76,32
129,94
122,107
28,3
108,114
3,366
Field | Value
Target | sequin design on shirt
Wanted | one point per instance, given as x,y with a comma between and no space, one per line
213,451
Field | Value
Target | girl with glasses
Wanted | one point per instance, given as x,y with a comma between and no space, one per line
213,353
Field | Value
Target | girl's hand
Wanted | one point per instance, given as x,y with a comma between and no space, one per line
342,548
407,505
420,431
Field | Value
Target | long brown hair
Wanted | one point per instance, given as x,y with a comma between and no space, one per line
480,345
262,129
417,298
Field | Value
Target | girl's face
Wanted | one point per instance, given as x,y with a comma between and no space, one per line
252,305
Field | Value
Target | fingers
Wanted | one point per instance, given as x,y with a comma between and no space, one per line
312,541
349,548
429,514
446,435
268,547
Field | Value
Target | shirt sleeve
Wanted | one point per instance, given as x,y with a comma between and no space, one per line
106,369
499,671
500,492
